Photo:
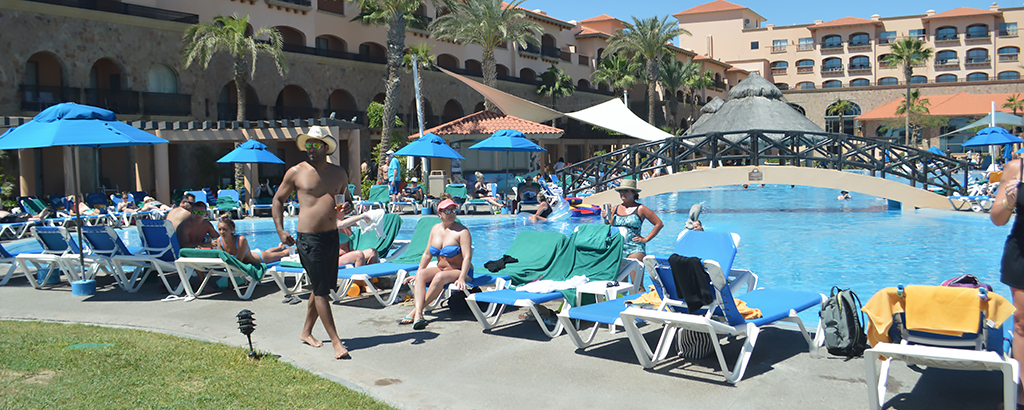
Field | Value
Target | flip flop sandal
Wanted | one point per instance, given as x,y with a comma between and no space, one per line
294,300
420,324
406,321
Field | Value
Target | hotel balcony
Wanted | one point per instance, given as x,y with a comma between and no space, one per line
805,47
976,62
805,70
1007,58
175,105
859,45
1011,32
118,101
39,97
778,49
948,40
977,38
948,64
530,49
856,68
886,41
294,6
295,113
779,71
334,54
118,7
831,48
551,52
229,112
832,70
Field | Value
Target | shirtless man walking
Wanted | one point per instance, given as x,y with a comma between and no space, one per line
316,183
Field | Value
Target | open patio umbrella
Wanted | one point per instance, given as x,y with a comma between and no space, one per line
250,152
508,141
936,151
75,125
992,136
429,146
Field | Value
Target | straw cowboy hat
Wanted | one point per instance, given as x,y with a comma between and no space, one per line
627,185
321,133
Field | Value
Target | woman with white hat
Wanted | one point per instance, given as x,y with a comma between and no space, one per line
631,215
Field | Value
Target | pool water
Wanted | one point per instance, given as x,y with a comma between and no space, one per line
798,238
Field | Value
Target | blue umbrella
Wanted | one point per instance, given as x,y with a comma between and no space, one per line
70,124
992,136
250,152
508,141
936,151
1008,152
429,146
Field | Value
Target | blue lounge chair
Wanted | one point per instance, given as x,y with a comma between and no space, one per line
158,253
526,194
104,245
476,203
550,255
608,312
138,197
983,349
721,317
16,230
12,261
459,194
55,242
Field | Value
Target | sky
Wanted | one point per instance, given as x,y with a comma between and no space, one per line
795,11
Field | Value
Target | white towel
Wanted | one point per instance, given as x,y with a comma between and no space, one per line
548,286
376,217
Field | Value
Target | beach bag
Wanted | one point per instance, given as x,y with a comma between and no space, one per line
457,301
693,344
966,281
843,324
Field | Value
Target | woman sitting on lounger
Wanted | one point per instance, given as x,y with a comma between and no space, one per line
480,191
452,244
238,246
347,255
150,204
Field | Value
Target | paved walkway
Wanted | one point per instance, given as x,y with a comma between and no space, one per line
453,364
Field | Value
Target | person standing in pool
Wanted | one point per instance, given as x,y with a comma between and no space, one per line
1012,266
631,215
316,183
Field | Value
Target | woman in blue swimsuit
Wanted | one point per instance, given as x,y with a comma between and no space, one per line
452,244
631,215
238,246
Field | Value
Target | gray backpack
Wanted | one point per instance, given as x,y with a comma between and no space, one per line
844,327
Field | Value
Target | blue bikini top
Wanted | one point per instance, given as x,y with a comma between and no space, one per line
447,251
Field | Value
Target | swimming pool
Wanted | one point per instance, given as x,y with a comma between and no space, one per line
800,238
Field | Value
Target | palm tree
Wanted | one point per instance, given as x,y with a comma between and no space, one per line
618,71
697,80
840,107
203,40
918,110
908,52
648,39
488,24
1014,102
424,61
396,15
556,84
673,77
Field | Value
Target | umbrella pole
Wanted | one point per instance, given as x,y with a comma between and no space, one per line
78,213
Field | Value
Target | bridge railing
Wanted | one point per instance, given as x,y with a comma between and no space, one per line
759,147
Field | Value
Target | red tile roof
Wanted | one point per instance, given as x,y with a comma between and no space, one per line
539,16
963,12
603,17
702,57
715,6
948,105
588,32
845,21
489,122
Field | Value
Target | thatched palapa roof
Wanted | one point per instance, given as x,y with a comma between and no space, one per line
753,104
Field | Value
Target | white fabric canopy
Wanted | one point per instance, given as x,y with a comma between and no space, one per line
1002,118
612,114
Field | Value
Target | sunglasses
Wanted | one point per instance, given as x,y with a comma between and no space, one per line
446,211
314,145
198,212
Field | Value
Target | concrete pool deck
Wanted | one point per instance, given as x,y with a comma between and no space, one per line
453,364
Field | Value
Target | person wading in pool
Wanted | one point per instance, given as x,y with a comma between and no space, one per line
316,183
1008,199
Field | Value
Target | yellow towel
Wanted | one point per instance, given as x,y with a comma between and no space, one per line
651,297
936,309
747,311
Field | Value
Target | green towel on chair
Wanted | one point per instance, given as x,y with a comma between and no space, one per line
392,224
290,264
540,255
254,271
419,240
597,255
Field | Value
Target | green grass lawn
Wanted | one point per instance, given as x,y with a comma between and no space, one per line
151,370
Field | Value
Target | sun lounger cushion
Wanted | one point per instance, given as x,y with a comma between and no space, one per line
509,296
606,312
254,271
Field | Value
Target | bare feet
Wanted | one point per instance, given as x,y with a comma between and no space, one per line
310,340
340,352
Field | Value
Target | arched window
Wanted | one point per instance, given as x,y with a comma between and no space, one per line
831,65
881,61
977,56
782,86
372,52
977,31
583,84
945,57
860,63
832,41
528,75
832,119
1009,75
860,82
162,80
44,80
227,104
977,77
945,33
1008,53
888,81
448,61
502,71
343,105
860,39
806,85
330,46
452,111
832,84
805,66
293,38
946,78
918,79
293,103
473,67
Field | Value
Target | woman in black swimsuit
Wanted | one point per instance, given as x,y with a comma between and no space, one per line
1012,271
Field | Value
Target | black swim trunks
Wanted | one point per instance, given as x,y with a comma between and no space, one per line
318,253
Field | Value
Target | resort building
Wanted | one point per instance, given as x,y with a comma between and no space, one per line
975,52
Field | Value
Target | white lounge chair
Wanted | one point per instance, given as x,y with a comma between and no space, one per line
242,277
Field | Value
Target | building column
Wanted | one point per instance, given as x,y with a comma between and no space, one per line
354,150
27,171
162,173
